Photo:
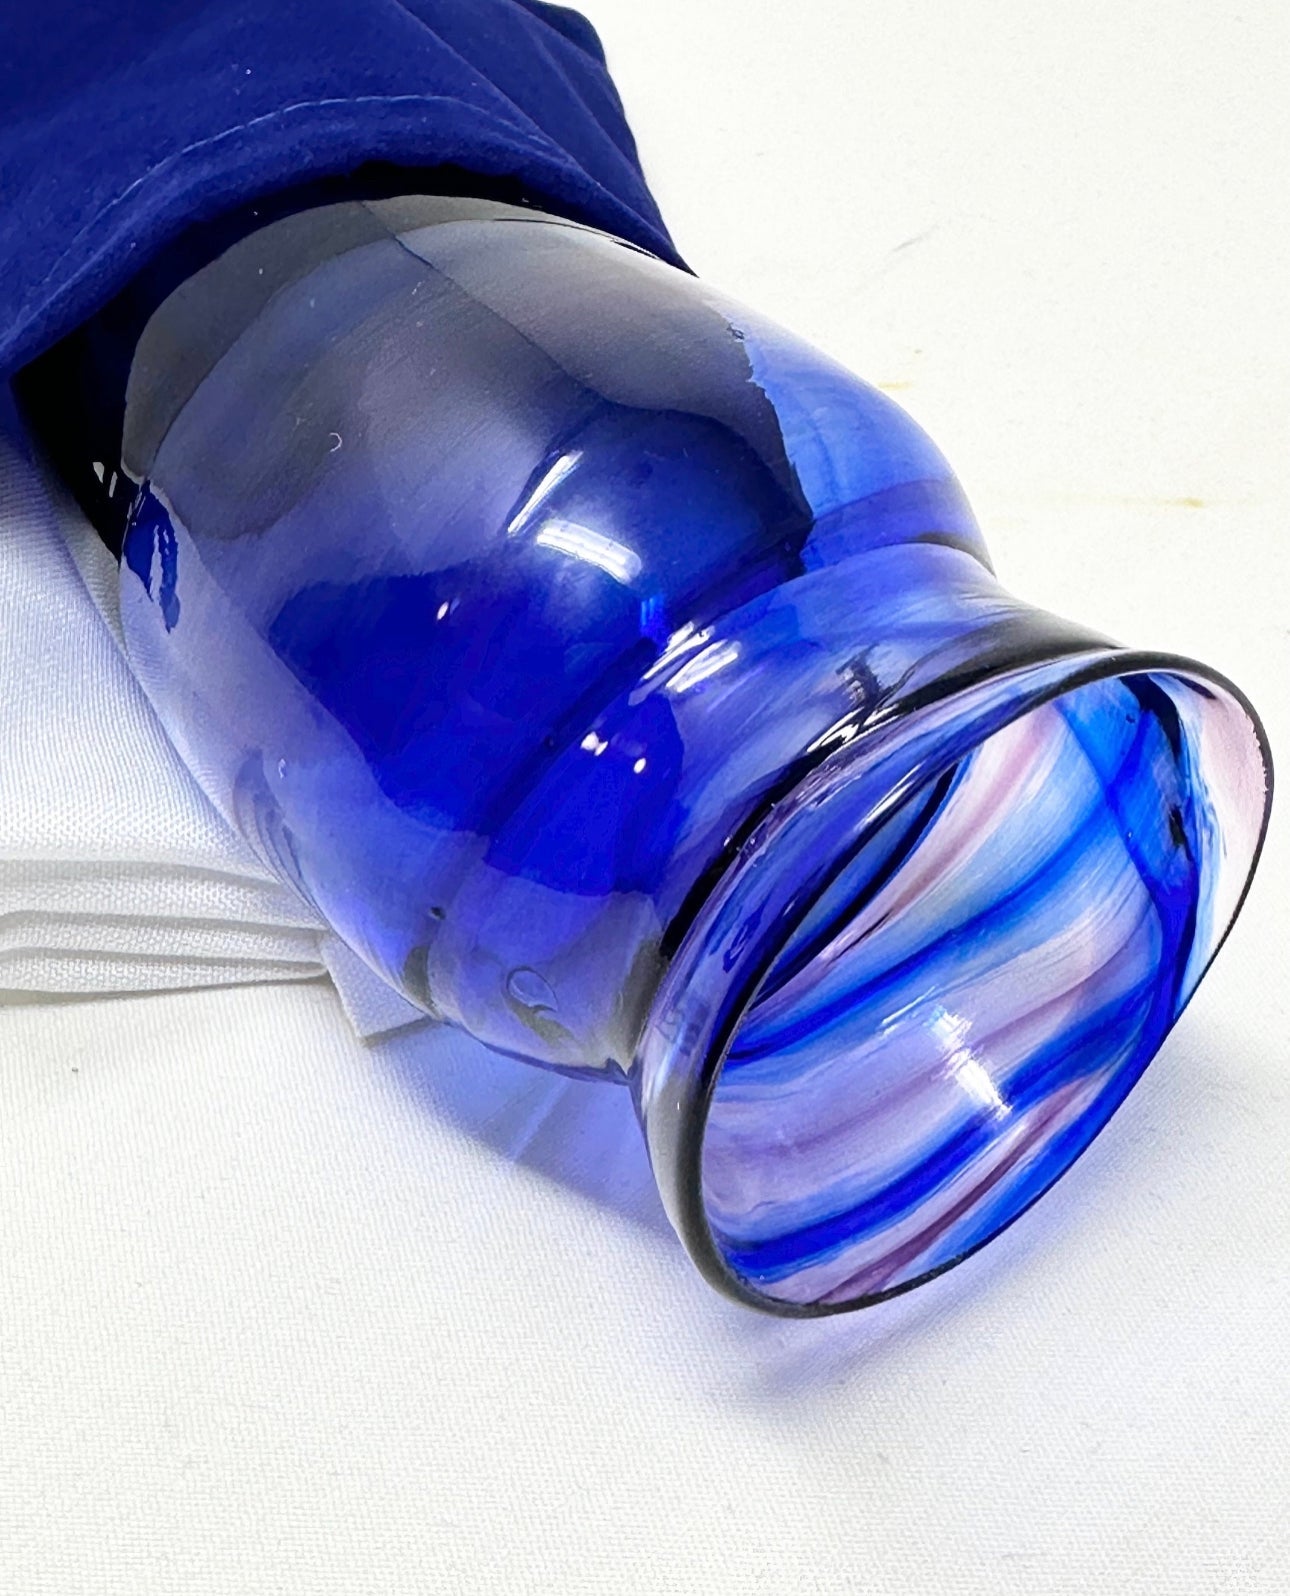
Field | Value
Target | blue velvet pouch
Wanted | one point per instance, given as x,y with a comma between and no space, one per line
123,125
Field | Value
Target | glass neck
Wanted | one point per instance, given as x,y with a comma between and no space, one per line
653,803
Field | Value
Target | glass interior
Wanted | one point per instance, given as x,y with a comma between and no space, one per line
965,1006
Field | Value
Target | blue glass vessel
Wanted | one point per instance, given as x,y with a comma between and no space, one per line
629,685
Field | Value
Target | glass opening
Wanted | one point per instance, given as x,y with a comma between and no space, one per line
964,1007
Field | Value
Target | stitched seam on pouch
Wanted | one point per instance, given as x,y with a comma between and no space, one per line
177,156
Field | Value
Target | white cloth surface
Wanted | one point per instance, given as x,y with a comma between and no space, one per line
116,874
281,1312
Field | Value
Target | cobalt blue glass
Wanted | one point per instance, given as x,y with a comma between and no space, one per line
629,685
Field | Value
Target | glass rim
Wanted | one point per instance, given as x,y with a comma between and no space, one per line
686,1039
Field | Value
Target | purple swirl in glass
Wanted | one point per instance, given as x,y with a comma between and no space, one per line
629,685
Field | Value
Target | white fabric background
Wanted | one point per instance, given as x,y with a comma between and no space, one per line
116,874
284,1312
